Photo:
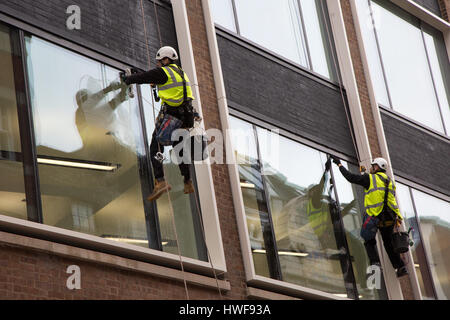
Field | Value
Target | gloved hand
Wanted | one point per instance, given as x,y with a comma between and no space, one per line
197,116
123,77
336,160
398,222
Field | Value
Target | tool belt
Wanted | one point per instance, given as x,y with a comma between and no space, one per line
184,112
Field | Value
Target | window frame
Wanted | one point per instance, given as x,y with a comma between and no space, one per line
34,226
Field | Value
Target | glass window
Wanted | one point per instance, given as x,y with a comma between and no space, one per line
88,145
91,155
370,42
12,190
257,214
295,32
296,196
223,13
417,250
439,61
408,63
407,70
282,35
434,220
316,33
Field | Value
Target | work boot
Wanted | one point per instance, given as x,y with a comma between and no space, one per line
160,187
188,187
402,272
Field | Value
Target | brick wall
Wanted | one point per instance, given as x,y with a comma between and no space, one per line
31,274
221,179
445,9
360,79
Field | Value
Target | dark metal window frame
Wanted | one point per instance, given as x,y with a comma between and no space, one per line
341,240
29,156
421,25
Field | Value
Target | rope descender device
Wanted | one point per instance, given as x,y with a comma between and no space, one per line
160,157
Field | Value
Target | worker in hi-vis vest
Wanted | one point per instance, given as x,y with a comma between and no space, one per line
176,95
318,211
377,216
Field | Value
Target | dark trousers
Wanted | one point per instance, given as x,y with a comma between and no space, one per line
158,171
371,248
181,113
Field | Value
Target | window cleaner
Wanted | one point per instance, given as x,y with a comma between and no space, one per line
176,112
381,211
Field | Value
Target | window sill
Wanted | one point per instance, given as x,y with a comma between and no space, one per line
78,245
291,290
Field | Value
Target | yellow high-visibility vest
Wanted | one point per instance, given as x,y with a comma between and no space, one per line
171,92
374,196
318,218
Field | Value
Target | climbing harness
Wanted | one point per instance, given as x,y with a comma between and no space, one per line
160,157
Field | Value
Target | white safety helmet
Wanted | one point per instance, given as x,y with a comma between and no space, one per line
166,52
380,162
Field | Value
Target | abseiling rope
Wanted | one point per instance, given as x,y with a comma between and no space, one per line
195,189
159,147
195,195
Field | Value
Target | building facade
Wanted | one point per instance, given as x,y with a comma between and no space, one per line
281,85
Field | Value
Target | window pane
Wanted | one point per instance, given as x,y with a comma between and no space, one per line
88,144
317,37
274,25
420,262
351,198
223,13
442,81
299,202
256,212
375,69
12,190
178,213
434,219
407,71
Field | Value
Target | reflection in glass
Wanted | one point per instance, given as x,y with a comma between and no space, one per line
417,250
12,190
316,34
439,61
256,212
181,209
223,13
368,34
282,35
88,143
300,209
411,88
434,220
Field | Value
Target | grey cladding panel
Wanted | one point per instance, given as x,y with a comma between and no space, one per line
420,156
114,26
431,5
297,103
